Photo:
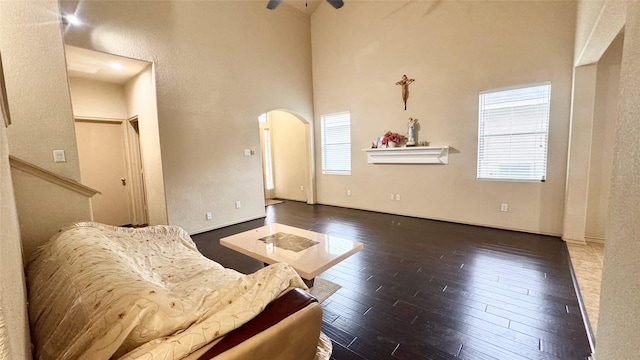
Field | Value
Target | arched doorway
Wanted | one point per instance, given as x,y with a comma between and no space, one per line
287,156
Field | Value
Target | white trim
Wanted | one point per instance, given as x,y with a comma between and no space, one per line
574,241
581,306
29,168
598,240
515,87
408,155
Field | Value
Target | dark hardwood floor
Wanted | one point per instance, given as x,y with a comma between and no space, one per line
424,289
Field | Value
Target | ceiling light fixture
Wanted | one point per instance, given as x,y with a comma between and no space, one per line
116,66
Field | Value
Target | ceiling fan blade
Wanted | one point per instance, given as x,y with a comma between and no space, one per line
273,4
336,3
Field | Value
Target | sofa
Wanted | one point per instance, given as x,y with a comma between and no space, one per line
103,292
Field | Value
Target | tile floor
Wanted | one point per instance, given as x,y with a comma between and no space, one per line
587,265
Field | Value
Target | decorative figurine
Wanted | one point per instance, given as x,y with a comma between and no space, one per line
405,82
412,127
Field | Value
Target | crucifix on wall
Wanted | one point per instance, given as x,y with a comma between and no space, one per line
405,82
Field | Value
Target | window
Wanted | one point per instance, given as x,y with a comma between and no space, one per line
513,128
336,143
268,163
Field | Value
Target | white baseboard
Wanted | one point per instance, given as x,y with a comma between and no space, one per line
594,239
575,241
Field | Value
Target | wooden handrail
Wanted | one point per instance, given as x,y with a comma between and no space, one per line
50,176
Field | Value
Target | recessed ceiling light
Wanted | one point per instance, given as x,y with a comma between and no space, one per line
116,66
72,19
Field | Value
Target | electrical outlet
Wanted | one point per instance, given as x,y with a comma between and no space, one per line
391,197
348,192
238,204
209,216
397,197
301,188
504,207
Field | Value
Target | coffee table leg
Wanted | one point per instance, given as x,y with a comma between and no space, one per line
309,283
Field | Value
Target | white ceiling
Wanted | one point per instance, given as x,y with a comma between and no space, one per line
99,66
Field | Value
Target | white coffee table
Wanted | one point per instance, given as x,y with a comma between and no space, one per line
309,253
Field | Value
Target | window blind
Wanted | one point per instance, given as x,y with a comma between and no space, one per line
336,143
513,128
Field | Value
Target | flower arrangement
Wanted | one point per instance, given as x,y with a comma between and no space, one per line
391,136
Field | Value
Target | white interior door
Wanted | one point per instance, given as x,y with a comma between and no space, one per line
101,151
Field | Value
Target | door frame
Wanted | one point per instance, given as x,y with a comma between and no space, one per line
268,193
136,173
310,152
136,193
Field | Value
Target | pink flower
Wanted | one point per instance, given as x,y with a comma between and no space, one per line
395,137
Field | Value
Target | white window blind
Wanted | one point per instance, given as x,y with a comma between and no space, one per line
336,143
513,128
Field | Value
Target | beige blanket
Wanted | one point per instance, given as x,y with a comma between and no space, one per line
98,292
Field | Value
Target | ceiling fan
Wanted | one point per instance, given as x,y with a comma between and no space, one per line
335,3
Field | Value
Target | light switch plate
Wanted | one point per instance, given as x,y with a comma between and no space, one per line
58,156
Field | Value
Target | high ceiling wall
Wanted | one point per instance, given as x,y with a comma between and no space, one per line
453,50
219,65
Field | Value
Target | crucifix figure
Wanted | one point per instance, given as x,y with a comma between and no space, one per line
405,82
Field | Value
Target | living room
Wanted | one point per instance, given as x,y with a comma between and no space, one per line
215,74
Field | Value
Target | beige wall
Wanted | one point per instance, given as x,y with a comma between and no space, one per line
215,75
42,118
97,99
37,87
603,140
141,102
462,48
598,22
587,13
39,219
618,327
13,303
290,156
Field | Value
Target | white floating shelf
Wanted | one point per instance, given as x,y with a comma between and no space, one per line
409,155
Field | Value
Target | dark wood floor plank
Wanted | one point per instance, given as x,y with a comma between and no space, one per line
424,289
341,353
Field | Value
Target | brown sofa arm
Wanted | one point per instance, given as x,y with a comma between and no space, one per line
288,328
